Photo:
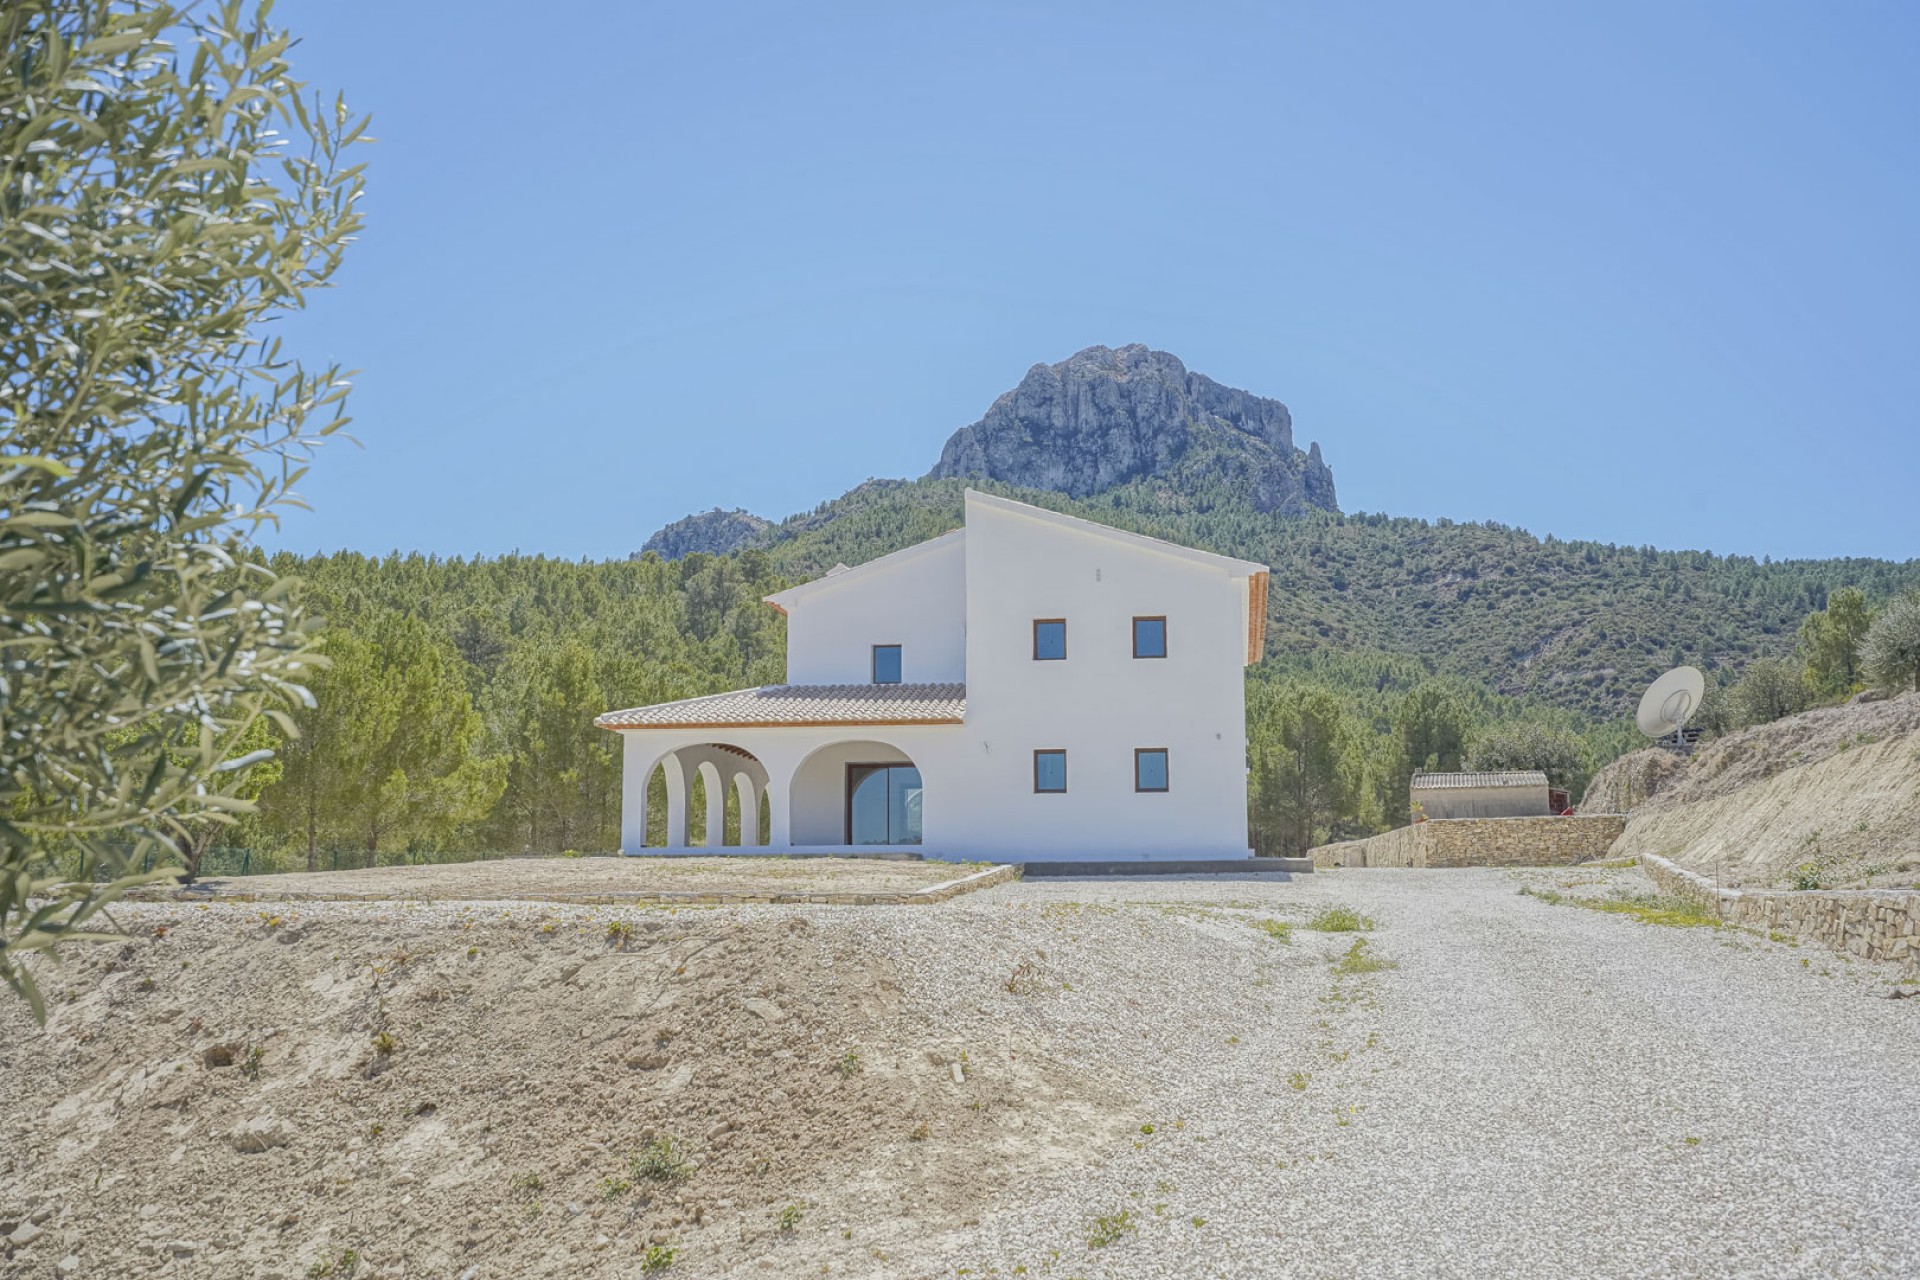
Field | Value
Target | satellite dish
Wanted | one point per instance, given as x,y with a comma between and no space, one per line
1669,700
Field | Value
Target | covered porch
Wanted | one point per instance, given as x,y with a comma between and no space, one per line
786,769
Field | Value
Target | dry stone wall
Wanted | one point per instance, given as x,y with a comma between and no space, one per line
1874,924
1480,842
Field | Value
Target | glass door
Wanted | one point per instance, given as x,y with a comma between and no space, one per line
883,804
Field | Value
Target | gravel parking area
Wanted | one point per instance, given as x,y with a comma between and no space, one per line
1533,1090
595,879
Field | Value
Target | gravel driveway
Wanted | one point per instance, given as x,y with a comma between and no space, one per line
1535,1090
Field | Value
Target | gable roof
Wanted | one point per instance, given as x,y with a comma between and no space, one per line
1060,520
1451,781
788,705
840,574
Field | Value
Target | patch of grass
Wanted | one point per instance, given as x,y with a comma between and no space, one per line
340,1266
1654,908
1297,1081
384,1044
1359,960
614,1188
1110,1228
1648,908
527,1183
1808,875
250,1065
1278,930
850,1064
619,933
789,1218
657,1258
1340,920
661,1160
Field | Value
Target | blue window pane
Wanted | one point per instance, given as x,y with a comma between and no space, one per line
886,664
903,805
1150,771
883,804
1049,771
867,806
1149,637
1049,641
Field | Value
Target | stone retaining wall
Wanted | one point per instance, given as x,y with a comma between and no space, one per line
1874,924
1480,842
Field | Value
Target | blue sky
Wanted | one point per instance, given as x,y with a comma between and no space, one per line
1641,273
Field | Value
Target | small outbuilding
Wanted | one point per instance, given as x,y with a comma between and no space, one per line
1517,794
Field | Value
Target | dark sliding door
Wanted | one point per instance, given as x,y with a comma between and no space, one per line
883,804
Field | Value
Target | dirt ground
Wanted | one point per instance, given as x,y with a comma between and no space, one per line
595,879
343,1089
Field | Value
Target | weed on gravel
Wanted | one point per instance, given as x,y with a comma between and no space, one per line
1359,960
1648,908
1111,1228
1340,920
1278,930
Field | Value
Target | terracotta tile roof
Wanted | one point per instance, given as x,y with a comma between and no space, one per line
801,704
1518,778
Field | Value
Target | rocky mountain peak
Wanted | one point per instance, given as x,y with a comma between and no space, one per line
714,532
1105,416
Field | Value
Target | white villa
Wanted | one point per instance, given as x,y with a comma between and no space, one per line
1028,687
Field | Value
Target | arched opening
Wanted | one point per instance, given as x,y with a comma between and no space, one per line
862,793
700,797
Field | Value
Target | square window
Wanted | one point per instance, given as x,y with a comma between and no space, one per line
1149,637
886,664
1049,639
1049,771
1150,769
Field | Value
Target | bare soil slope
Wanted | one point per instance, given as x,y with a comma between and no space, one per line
341,1089
1832,796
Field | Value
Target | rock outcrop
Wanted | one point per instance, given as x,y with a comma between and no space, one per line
1104,417
714,532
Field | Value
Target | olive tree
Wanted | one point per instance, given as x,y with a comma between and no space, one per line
1890,652
169,190
1770,689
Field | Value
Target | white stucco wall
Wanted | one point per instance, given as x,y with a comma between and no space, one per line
1101,702
914,598
963,609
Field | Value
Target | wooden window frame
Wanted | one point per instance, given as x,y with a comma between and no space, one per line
1037,624
873,664
1050,751
1160,618
1152,791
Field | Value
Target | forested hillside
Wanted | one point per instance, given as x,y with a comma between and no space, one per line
456,712
1576,625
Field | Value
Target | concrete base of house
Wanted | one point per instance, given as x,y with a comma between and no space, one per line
1172,867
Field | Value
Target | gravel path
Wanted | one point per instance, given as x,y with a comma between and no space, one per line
1534,1090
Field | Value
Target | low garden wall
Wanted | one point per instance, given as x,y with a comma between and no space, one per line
1874,924
1480,842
